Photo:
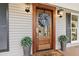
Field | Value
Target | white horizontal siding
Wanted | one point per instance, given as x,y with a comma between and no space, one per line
20,25
60,28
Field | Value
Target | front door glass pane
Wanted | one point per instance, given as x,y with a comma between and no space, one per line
43,24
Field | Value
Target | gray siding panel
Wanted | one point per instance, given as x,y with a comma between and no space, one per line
68,26
4,27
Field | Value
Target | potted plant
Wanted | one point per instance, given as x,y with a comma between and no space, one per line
63,40
26,43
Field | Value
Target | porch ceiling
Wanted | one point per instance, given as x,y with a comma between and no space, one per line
73,6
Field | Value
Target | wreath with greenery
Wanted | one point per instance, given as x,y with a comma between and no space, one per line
43,19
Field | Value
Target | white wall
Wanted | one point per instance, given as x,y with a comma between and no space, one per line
20,25
60,29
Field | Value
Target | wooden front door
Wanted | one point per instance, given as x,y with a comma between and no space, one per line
43,27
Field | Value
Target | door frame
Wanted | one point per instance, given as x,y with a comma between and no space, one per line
52,8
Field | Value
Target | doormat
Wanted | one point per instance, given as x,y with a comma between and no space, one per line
49,53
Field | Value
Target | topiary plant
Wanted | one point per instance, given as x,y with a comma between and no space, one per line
26,41
63,38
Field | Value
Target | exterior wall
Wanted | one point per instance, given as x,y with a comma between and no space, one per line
20,25
60,29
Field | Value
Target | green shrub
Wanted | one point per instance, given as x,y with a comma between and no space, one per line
26,41
63,38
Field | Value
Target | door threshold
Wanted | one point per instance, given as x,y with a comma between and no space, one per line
43,50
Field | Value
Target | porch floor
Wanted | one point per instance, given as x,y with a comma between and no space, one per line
72,51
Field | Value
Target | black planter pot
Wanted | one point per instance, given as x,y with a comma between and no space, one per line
27,51
63,46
